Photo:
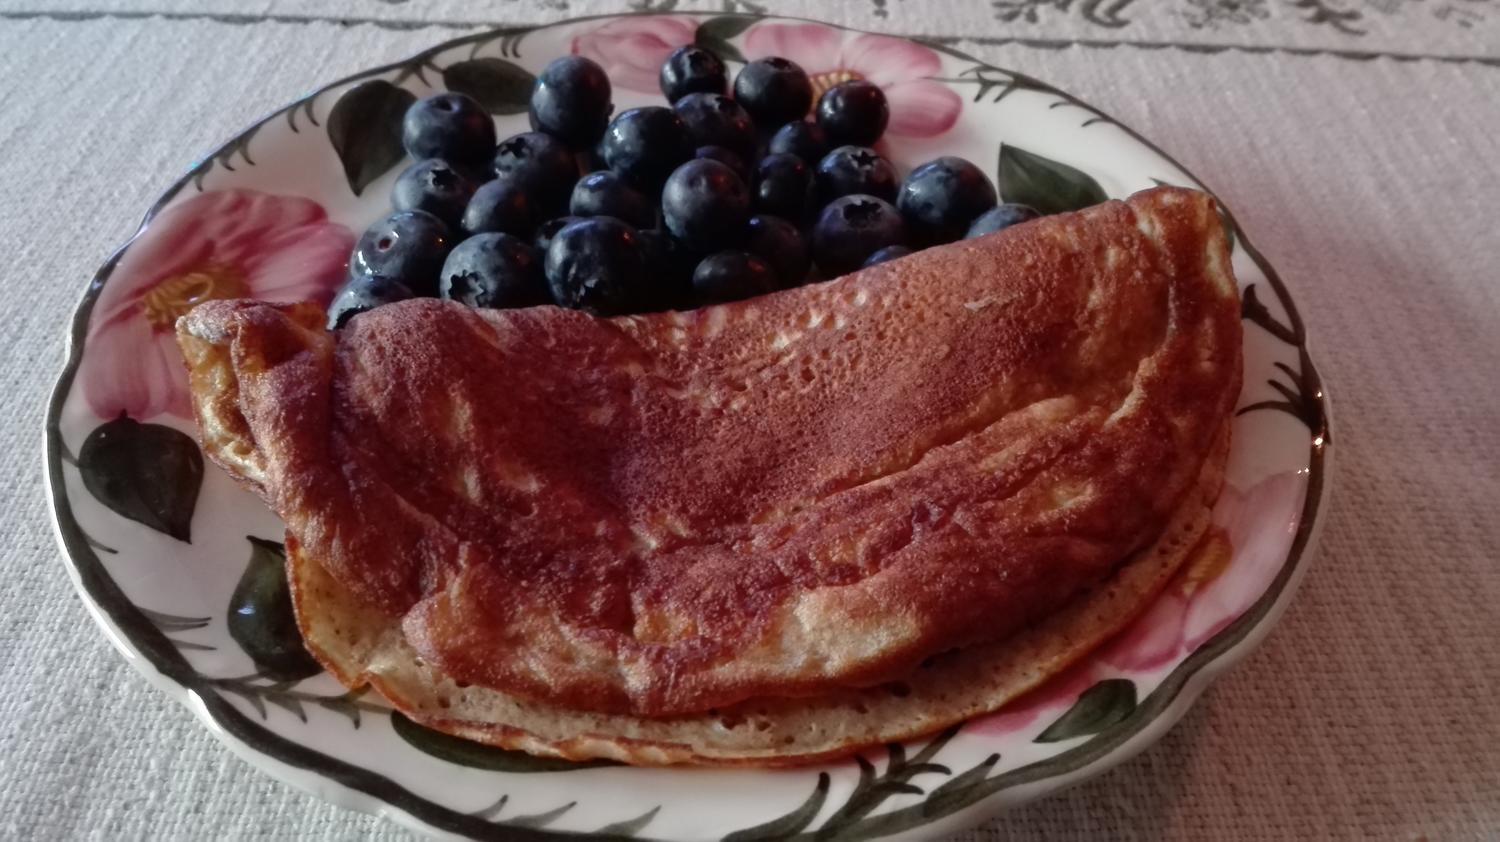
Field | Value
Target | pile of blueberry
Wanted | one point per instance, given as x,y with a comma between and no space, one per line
713,199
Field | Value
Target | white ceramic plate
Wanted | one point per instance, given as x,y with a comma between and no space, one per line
182,568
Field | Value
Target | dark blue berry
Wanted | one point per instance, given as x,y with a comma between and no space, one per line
361,294
728,158
645,144
494,270
571,101
706,205
848,170
1001,217
854,112
780,244
714,120
806,140
851,229
887,253
408,247
450,126
732,276
500,205
774,91
942,197
784,186
597,265
547,230
434,186
669,272
542,165
692,70
593,160
607,194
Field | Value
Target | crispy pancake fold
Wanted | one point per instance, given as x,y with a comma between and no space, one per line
362,647
795,495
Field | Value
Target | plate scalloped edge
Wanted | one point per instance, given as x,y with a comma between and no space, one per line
148,649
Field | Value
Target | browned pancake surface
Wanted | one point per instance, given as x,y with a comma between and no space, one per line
813,489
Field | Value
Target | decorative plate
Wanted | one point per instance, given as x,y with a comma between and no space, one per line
183,569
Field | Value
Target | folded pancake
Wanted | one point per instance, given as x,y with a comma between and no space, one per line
633,521
361,646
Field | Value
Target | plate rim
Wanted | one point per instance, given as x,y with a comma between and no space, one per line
349,786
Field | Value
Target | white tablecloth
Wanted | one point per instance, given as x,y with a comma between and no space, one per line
1357,141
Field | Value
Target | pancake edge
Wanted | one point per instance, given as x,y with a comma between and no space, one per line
362,648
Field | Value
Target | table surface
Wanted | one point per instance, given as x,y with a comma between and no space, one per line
1358,140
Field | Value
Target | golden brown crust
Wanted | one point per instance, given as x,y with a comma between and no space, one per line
811,490
216,378
360,646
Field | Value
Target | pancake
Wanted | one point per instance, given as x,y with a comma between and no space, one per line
360,646
637,520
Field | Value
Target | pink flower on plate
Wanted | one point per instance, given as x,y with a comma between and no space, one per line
1258,526
222,244
632,49
920,107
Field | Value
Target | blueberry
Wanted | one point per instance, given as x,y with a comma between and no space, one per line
855,169
607,194
361,294
571,101
806,140
727,157
434,186
1001,217
542,165
774,91
851,229
942,197
500,205
547,230
407,247
783,186
714,120
706,205
494,270
450,126
596,265
669,272
692,70
732,276
887,253
780,244
645,144
593,160
854,112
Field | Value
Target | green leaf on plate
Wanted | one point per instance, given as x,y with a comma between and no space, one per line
477,755
500,86
1047,185
145,472
365,130
1100,706
261,620
714,34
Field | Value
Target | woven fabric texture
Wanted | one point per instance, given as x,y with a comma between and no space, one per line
1357,140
